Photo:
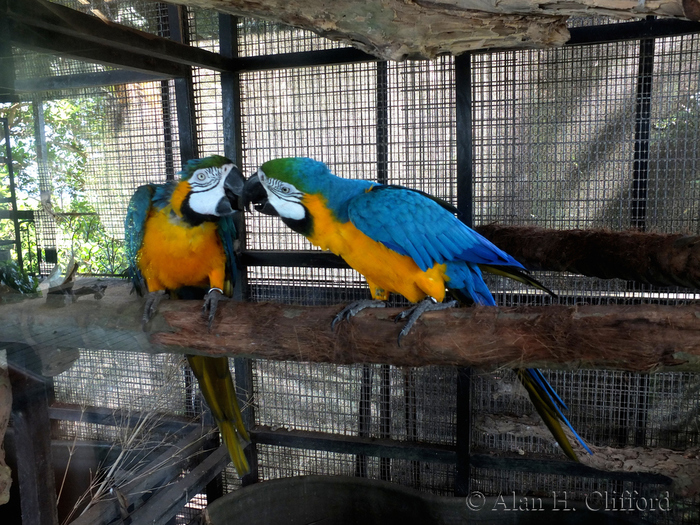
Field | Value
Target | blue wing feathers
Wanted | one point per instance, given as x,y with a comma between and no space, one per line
134,224
228,234
423,228
398,217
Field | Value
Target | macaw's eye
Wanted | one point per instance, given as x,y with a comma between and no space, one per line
286,189
201,176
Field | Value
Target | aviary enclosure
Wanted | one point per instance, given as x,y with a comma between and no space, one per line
581,160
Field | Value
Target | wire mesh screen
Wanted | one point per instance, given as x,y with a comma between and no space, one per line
204,33
261,37
421,126
130,143
554,144
143,15
555,138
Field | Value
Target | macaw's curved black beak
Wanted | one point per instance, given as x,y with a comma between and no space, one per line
233,188
254,193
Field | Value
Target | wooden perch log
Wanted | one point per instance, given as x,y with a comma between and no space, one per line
651,258
400,29
397,29
641,338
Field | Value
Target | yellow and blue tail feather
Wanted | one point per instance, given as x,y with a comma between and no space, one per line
546,401
216,384
549,405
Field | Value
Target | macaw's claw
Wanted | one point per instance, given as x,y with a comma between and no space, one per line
153,299
211,301
413,313
354,308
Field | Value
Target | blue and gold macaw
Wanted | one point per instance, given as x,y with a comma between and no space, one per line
402,241
181,234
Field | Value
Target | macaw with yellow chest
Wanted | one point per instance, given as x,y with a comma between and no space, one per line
402,241
180,234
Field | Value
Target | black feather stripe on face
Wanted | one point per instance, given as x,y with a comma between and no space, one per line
303,226
193,218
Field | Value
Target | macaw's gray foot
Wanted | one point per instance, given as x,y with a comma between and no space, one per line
211,301
153,299
354,308
413,313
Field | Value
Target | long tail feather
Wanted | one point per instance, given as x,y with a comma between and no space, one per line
216,384
516,275
547,402
549,406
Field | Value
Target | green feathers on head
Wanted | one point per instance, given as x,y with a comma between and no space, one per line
307,175
214,161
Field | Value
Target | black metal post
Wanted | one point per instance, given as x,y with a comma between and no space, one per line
463,102
411,419
42,155
184,89
13,193
385,417
364,417
233,149
640,182
382,144
642,132
382,123
233,129
167,104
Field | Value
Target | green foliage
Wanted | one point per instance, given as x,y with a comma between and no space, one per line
16,278
73,129
89,242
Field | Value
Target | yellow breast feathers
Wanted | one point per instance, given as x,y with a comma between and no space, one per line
174,254
385,270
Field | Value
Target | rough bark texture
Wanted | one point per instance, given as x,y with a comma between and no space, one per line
658,259
642,337
400,29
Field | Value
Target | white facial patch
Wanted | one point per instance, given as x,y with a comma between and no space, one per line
283,197
208,189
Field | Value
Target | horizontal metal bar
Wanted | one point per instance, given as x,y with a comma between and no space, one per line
303,258
125,43
117,417
86,80
324,57
45,40
20,215
440,454
385,448
649,28
563,468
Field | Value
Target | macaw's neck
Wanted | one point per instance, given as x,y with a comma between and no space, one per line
303,226
180,203
326,206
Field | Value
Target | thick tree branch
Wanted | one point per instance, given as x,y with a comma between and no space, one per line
400,29
651,258
642,337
